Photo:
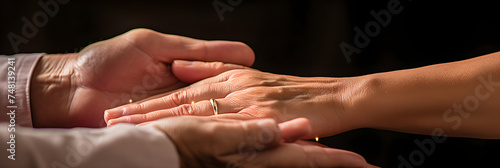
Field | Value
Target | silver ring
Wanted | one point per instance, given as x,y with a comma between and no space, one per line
214,106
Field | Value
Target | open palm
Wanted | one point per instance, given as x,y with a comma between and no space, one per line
136,65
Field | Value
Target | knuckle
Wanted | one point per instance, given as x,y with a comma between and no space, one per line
139,34
139,31
237,73
277,91
133,109
217,65
141,107
176,99
209,88
175,112
185,109
149,116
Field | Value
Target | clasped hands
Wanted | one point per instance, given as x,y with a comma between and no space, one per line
156,71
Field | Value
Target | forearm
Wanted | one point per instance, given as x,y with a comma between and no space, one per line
462,98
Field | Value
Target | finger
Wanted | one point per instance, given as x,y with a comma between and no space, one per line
295,155
184,109
250,135
220,137
192,71
202,108
295,129
291,131
166,48
264,131
207,79
182,96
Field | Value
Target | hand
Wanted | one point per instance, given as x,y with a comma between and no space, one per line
74,89
209,142
249,94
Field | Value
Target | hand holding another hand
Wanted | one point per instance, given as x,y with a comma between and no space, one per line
210,142
249,94
71,90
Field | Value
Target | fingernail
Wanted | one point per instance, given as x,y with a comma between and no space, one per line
109,123
114,113
116,121
183,63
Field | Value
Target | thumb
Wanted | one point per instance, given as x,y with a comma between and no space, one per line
192,71
295,129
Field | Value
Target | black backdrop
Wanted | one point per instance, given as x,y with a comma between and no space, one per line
298,38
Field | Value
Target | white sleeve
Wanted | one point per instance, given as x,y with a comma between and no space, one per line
123,145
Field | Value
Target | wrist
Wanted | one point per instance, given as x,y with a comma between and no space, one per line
50,89
357,95
337,101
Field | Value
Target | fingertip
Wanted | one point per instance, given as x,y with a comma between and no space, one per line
106,117
295,129
239,52
116,121
113,113
247,53
110,123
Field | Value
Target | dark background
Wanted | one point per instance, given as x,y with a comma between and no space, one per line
298,38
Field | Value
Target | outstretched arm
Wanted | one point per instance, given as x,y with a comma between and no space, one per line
454,99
